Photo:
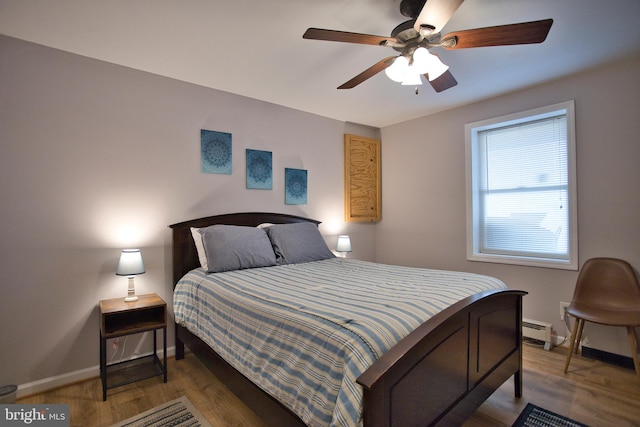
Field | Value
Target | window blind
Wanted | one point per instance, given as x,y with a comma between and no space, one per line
523,189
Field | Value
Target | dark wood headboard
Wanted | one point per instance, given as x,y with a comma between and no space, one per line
185,256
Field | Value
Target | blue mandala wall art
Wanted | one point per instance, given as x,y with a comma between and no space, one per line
215,152
259,170
295,186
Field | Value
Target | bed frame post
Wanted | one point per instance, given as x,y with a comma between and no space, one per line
179,344
517,377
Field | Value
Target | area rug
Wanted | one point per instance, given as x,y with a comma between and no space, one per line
534,416
177,413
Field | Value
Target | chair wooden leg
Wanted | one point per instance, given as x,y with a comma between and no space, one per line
580,329
633,342
574,335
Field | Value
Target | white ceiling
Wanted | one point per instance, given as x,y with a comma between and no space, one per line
255,47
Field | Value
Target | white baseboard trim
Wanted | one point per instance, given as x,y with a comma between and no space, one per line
45,384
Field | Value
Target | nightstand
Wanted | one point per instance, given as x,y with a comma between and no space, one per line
119,318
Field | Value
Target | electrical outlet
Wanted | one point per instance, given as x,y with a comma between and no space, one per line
563,309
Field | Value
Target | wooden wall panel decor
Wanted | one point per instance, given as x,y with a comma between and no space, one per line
362,181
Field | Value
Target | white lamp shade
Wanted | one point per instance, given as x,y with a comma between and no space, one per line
398,69
130,263
344,244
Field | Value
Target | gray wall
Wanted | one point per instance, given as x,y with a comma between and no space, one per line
424,188
96,157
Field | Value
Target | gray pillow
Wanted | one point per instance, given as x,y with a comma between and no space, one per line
298,242
231,247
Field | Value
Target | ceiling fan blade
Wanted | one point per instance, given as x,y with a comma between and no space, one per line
500,35
344,36
368,73
444,82
436,13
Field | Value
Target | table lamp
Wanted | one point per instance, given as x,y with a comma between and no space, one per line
130,264
343,245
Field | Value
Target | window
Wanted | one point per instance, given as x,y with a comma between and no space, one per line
521,193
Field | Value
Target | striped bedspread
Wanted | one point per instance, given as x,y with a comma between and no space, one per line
305,332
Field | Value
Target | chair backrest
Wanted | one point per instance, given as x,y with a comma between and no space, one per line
608,283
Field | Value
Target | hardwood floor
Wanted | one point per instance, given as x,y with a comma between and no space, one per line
592,392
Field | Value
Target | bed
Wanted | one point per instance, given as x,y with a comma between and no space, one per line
438,373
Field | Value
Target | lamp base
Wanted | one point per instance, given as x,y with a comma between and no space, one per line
131,291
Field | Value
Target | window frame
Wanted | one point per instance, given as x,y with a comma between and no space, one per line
473,194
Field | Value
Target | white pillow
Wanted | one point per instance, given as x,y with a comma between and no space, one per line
202,256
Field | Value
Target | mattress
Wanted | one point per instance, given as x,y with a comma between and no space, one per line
305,332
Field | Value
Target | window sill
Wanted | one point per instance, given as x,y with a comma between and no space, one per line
525,261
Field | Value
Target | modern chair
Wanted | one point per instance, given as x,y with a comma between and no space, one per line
607,292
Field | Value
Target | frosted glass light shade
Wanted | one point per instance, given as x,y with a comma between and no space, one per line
412,78
421,60
398,69
344,244
436,68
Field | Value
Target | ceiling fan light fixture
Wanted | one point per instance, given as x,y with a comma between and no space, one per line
398,70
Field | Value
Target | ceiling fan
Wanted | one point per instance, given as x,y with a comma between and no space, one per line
415,37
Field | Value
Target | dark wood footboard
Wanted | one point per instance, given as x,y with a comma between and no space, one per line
443,371
437,375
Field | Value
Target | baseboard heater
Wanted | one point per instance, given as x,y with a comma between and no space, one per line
536,330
